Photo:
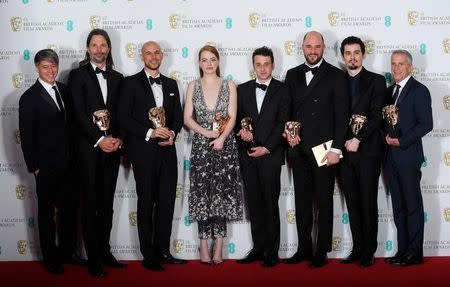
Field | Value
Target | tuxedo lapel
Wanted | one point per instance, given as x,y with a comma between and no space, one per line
405,91
315,80
271,89
166,92
148,89
252,100
46,96
94,78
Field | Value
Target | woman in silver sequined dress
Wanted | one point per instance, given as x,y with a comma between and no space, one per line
215,183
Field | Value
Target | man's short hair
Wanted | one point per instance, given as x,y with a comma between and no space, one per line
408,55
353,40
263,51
46,55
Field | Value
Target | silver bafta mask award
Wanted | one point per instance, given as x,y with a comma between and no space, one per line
102,119
357,122
292,129
391,116
220,122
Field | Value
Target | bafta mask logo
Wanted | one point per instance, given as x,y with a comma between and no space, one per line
290,216
94,21
17,136
178,245
132,218
179,191
176,75
50,1
447,158
289,47
337,243
413,18
21,191
210,43
174,21
370,46
357,122
130,49
415,72
220,121
446,100
333,18
252,74
22,247
16,24
102,119
17,80
447,214
253,19
446,46
157,116
52,47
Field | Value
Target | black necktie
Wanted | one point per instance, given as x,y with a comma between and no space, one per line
58,99
261,86
395,95
353,85
155,80
98,71
313,70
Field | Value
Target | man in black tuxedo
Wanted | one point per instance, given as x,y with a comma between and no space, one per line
261,153
320,103
364,149
46,137
405,157
94,87
151,150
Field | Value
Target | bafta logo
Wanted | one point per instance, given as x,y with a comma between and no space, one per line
253,19
132,218
446,100
21,191
175,75
333,18
357,122
413,18
446,46
447,158
174,21
337,243
290,216
17,136
447,214
52,47
16,24
50,1
289,47
370,46
179,191
94,21
102,119
22,247
415,72
252,74
220,121
157,117
210,43
177,245
130,49
391,116
17,80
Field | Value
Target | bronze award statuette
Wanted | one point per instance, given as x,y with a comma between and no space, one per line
157,117
357,122
246,124
102,119
391,116
292,129
220,122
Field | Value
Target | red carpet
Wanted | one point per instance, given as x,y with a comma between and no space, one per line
434,272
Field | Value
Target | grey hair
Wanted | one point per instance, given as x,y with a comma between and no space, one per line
404,53
46,55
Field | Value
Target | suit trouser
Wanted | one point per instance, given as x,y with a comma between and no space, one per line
156,183
313,188
262,191
360,176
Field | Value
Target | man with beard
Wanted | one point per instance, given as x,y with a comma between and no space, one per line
364,148
151,150
320,103
94,87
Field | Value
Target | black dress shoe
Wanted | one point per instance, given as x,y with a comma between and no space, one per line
351,258
110,260
75,259
270,261
410,260
252,256
367,261
296,258
54,268
319,260
169,259
96,270
394,259
152,265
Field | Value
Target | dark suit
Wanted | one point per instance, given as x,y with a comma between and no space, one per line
262,175
98,169
154,166
403,166
322,109
46,138
360,170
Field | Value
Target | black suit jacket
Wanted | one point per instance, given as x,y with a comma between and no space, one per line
87,98
322,107
44,130
135,102
268,124
368,101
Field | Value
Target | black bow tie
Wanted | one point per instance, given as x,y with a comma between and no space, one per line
98,71
313,70
261,86
155,80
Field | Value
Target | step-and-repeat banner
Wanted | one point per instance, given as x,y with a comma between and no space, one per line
236,28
